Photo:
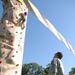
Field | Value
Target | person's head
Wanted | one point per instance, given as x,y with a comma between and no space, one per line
58,55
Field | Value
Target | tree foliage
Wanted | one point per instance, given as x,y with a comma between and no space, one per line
46,70
72,72
32,69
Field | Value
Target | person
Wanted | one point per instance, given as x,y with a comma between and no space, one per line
56,66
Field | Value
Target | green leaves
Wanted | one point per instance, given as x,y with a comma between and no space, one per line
72,72
34,69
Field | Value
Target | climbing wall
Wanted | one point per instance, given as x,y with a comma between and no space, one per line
12,36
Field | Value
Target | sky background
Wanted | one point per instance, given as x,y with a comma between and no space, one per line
40,43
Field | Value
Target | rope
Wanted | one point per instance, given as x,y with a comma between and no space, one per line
48,24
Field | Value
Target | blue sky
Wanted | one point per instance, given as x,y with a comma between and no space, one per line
40,43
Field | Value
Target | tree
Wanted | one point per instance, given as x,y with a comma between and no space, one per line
72,72
32,69
46,70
